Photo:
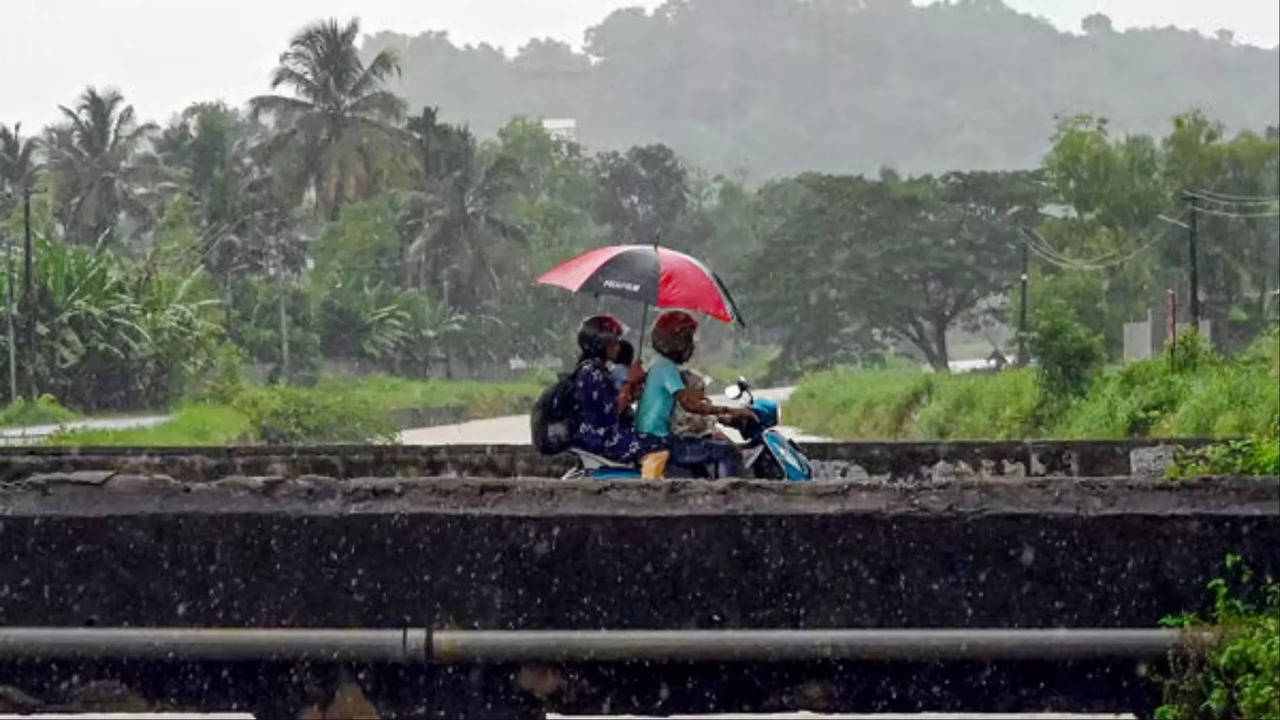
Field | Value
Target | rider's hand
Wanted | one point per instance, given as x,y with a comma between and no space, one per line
742,414
635,373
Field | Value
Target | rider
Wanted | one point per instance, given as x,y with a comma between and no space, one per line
674,340
603,429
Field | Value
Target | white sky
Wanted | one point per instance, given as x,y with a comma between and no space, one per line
165,54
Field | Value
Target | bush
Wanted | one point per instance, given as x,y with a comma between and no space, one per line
44,410
872,405
1189,391
1238,675
1254,456
1205,396
287,415
980,405
1069,354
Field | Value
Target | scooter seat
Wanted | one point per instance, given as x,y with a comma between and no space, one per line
591,461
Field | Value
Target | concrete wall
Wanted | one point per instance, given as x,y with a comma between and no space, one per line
498,554
900,461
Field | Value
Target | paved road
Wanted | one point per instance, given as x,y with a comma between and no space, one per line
32,434
514,429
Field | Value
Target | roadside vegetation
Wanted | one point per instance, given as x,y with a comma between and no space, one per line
1190,391
1237,674
335,410
44,410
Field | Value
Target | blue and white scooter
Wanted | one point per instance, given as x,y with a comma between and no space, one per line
766,453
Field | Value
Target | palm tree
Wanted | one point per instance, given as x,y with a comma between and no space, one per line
463,230
18,161
102,172
330,129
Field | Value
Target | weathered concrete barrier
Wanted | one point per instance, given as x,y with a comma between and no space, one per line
124,549
898,461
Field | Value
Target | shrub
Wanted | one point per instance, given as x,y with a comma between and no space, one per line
859,405
1069,354
41,411
1254,456
286,415
980,405
1238,675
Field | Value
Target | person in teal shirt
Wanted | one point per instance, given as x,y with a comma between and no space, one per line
674,340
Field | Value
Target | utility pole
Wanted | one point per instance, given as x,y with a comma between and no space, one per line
1191,257
13,345
284,316
28,296
1023,357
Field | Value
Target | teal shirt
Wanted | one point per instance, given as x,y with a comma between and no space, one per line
660,388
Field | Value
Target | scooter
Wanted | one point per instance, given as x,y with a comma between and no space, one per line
767,454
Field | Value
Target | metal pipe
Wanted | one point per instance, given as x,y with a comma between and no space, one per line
774,645
412,645
390,645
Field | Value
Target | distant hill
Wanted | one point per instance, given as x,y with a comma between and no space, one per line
779,86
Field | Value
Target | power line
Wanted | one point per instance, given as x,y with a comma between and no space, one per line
1238,198
1073,264
1231,203
1223,213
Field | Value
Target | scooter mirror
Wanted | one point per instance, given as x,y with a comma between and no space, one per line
733,392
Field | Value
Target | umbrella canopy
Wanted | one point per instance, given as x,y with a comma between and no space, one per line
650,274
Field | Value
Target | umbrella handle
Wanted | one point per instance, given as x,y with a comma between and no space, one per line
644,322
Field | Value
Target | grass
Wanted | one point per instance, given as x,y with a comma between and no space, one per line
193,425
854,405
1207,397
477,399
336,410
44,410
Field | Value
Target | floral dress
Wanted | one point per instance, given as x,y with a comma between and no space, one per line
602,429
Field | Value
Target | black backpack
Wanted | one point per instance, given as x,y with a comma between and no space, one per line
555,416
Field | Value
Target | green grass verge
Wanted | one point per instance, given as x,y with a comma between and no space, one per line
44,410
338,410
477,399
194,425
1208,397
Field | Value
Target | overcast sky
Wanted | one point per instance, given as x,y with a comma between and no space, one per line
164,54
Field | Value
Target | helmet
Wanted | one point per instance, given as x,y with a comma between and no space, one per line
596,332
673,335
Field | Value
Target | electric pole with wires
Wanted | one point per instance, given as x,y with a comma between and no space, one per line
1192,230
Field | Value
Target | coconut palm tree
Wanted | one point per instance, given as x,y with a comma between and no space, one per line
102,171
18,160
463,229
331,129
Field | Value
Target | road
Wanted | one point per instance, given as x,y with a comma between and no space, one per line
32,434
514,429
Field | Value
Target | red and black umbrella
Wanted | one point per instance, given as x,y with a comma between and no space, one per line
650,274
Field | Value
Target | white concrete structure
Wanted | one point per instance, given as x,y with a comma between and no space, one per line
562,128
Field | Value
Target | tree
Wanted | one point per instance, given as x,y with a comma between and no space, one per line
19,162
849,265
329,130
465,236
101,171
642,193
